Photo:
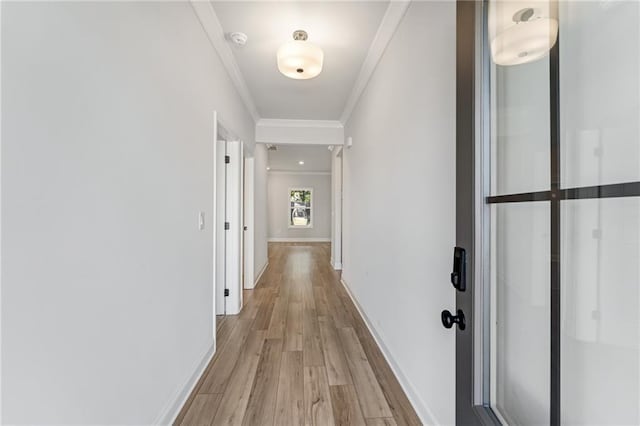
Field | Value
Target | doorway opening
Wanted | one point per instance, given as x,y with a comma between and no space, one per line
299,187
228,222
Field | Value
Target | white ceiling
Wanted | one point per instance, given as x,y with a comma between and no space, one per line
286,158
344,30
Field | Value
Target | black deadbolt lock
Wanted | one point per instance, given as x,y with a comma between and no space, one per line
459,274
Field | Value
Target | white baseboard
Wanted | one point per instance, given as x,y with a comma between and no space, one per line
264,268
337,266
300,240
422,410
171,410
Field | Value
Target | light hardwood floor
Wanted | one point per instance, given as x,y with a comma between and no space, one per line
298,354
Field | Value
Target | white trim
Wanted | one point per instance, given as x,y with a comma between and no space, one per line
299,132
248,220
278,122
257,279
175,403
336,209
295,172
217,255
300,240
1,328
212,27
422,410
390,22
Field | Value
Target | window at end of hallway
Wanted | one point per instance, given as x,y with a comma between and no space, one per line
300,206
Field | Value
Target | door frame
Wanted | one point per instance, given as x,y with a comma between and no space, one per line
248,223
471,125
473,128
233,252
233,235
336,207
218,257
473,218
473,213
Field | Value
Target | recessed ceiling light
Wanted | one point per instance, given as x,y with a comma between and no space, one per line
301,163
268,168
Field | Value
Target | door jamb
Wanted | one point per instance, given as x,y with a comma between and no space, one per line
249,219
222,132
337,169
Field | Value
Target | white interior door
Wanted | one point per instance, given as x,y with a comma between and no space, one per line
219,233
233,226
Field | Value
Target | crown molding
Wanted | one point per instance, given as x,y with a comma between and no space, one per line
278,122
212,27
388,26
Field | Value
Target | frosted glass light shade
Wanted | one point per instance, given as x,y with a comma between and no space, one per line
524,42
300,59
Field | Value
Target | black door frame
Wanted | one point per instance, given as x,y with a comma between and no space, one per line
471,108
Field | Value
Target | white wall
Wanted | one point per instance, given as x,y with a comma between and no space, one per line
399,205
106,161
279,184
261,225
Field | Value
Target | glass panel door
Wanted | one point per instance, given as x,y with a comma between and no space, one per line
553,304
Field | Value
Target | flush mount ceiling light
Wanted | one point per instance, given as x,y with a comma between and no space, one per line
300,59
301,163
529,39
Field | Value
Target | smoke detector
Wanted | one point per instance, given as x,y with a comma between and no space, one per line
238,38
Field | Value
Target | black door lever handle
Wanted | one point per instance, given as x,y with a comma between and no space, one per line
448,320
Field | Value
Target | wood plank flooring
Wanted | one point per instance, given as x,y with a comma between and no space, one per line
298,354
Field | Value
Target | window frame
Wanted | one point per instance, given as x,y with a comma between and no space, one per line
290,209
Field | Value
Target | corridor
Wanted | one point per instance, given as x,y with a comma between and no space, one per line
320,212
298,354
